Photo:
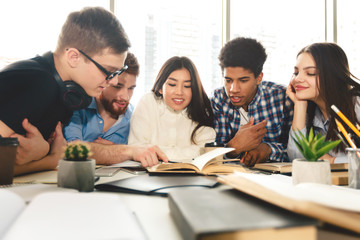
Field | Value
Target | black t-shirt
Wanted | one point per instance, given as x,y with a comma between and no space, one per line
29,91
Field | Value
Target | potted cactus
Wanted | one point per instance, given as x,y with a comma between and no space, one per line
76,170
310,168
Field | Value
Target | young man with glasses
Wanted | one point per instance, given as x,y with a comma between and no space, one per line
40,94
251,115
106,121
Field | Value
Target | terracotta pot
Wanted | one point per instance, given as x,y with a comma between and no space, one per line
315,172
78,175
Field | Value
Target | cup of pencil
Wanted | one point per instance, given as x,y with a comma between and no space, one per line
354,167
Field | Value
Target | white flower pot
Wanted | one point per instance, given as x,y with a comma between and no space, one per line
79,175
315,172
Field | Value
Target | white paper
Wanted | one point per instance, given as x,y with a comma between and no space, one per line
10,208
76,216
28,191
329,195
128,163
201,160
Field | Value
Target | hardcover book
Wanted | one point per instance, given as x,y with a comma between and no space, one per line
229,214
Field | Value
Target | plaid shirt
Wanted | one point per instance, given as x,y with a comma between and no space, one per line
270,103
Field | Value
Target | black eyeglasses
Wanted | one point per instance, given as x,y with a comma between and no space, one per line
109,75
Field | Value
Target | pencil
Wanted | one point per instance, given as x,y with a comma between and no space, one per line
342,116
242,159
341,138
346,135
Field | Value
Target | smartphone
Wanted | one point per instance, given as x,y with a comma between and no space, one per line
134,170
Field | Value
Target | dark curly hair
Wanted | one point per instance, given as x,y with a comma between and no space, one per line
243,52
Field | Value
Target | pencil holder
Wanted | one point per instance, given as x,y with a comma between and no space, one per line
354,167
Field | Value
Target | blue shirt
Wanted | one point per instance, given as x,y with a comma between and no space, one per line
270,103
87,125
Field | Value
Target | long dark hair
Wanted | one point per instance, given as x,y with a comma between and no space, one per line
199,109
336,85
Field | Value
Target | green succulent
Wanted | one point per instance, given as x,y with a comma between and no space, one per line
77,151
313,146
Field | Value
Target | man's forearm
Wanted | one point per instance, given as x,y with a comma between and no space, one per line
110,154
49,162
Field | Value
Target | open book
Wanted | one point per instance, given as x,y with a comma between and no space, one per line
67,215
332,204
205,164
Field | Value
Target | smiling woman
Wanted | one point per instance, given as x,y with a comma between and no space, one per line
176,115
176,91
322,79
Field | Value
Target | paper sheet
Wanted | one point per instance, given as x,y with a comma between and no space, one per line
68,215
328,195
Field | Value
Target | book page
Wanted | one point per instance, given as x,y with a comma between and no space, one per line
201,160
68,215
173,166
128,163
329,195
10,208
224,169
197,164
276,166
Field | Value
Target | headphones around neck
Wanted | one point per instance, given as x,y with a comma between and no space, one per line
72,94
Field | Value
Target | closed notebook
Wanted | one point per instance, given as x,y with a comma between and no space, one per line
229,214
157,185
286,167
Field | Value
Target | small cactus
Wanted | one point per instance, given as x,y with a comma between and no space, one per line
77,151
312,147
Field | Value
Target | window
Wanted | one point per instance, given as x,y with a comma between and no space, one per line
31,27
283,27
348,32
161,29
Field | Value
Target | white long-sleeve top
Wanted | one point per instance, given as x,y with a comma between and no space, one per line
153,122
321,126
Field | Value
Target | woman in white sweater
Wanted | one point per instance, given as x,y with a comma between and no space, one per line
176,115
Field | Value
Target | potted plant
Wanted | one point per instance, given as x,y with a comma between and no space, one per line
310,168
76,170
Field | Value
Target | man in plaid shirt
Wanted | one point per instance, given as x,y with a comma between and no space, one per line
251,115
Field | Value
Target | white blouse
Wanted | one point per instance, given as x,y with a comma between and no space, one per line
153,122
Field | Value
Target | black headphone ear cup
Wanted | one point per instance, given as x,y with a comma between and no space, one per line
74,96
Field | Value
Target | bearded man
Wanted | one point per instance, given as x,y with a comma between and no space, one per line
107,121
